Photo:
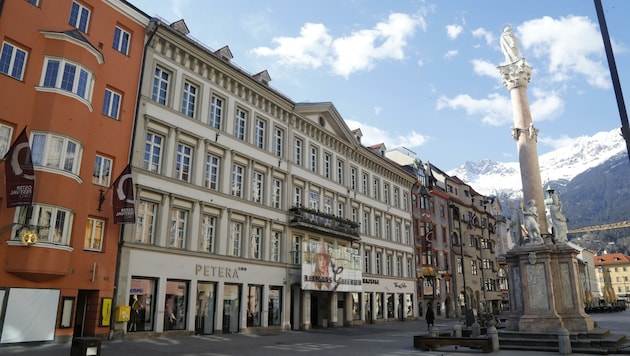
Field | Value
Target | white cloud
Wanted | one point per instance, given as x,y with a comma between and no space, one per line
450,54
495,110
453,31
377,110
345,55
373,135
483,33
483,67
572,45
546,105
310,49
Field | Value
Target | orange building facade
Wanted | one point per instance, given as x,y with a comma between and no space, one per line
69,74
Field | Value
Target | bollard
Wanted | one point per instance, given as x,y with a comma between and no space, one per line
457,330
476,329
494,335
564,342
435,332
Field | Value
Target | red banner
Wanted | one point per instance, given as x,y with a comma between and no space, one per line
124,211
19,173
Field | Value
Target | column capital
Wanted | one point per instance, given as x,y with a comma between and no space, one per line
515,74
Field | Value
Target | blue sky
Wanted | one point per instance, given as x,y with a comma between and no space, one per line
422,74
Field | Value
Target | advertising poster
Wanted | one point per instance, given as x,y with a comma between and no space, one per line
330,268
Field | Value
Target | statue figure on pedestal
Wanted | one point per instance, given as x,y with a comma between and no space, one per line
515,226
532,226
509,46
558,220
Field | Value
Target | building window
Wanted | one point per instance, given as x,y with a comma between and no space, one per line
258,184
259,138
145,222
297,250
56,152
68,76
121,40
276,243
379,261
396,197
473,266
256,238
33,2
377,226
237,180
211,173
152,152
234,248
398,232
353,178
216,112
366,261
366,222
102,171
79,16
409,268
240,124
376,191
327,160
176,307
54,223
340,172
405,202
5,139
297,196
328,205
386,193
274,312
364,188
399,268
313,200
160,86
388,229
94,234
278,141
189,99
388,265
314,159
297,151
254,305
208,233
407,235
341,210
276,193
179,222
111,104
183,162
12,61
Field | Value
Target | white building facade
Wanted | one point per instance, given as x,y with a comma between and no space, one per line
239,191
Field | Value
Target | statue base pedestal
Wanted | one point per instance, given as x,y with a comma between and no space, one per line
545,289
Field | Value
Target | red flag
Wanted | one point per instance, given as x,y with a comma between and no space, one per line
124,211
19,173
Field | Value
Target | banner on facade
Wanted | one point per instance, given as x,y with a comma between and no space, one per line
330,268
124,210
18,172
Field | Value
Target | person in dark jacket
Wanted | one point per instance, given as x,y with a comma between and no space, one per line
430,317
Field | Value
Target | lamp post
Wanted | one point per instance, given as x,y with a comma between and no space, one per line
469,316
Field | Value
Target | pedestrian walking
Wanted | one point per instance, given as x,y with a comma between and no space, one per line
430,317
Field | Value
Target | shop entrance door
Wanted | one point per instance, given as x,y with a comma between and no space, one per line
206,301
231,308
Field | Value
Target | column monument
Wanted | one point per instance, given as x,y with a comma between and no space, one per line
544,279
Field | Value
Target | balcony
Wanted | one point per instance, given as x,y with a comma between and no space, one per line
39,262
316,221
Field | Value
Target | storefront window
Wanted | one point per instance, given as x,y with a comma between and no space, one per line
254,304
390,306
379,305
368,307
175,305
206,302
409,304
275,303
356,306
142,303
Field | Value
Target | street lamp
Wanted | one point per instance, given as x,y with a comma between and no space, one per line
469,315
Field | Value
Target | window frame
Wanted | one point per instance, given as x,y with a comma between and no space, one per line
121,40
56,76
190,91
260,131
208,233
34,219
149,149
215,117
179,225
160,90
102,178
83,14
236,180
13,64
44,158
212,167
278,141
112,101
240,124
91,228
146,229
184,162
258,187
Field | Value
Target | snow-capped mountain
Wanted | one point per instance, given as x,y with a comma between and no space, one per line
489,177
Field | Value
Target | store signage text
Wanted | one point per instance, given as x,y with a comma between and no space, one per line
216,271
370,281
